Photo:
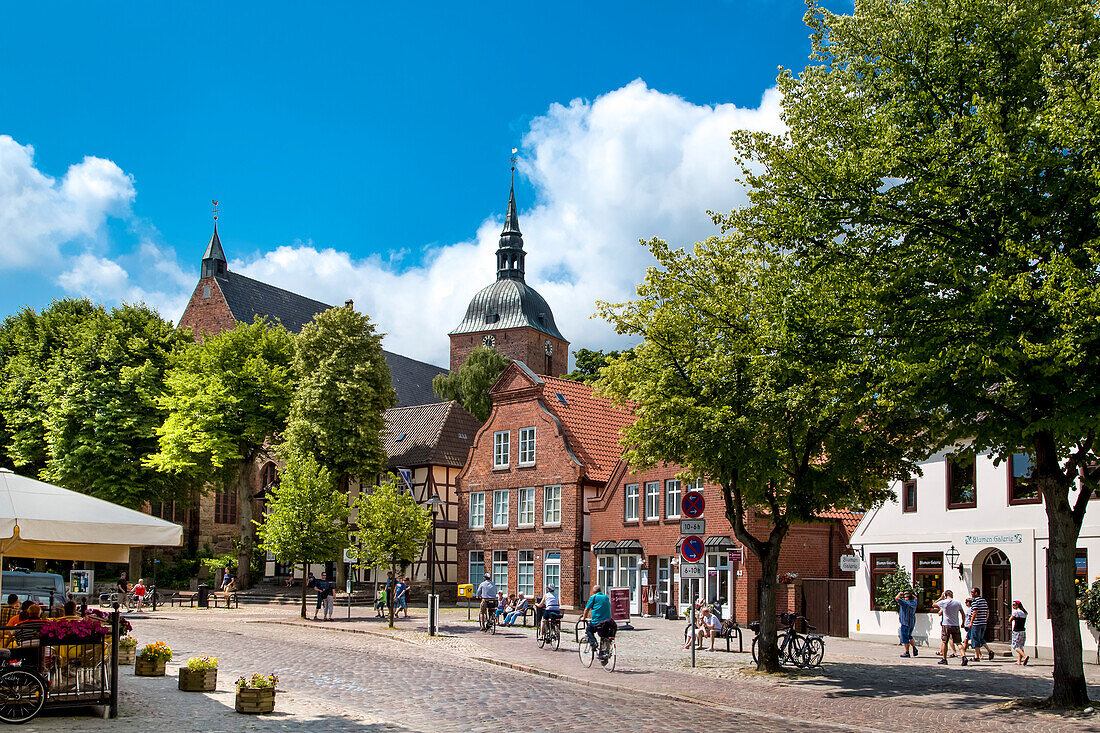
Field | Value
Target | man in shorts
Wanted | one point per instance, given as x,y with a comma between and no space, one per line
487,592
907,619
598,613
951,613
979,609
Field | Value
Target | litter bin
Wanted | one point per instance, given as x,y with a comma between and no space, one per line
204,595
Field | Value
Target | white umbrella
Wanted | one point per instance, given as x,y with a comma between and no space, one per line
40,520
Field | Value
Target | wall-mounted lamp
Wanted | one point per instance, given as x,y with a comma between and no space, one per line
952,556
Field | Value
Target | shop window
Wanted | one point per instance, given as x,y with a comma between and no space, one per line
605,571
962,489
883,565
1022,486
927,578
909,496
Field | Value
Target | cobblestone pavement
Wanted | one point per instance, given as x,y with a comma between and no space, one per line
383,680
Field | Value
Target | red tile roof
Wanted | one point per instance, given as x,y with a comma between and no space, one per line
592,424
848,518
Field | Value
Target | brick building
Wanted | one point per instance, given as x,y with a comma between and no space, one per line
548,446
636,545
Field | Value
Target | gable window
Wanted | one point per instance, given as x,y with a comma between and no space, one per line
527,507
477,567
500,508
501,446
672,498
631,500
500,570
477,510
962,489
225,507
909,496
551,505
653,500
883,565
1022,486
527,446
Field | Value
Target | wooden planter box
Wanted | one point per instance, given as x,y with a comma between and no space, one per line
127,655
149,668
255,699
198,680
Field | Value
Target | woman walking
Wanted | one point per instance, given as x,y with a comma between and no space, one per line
1019,635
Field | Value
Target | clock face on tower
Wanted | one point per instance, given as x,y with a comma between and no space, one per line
489,340
549,348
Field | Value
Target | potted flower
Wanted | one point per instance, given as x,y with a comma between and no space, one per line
71,631
127,650
787,578
256,694
151,659
200,674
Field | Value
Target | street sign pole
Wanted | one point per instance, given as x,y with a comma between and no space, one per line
692,637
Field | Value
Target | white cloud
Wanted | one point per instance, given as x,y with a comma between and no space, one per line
630,165
104,279
39,214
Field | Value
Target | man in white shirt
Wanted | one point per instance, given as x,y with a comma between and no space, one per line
951,613
487,592
712,627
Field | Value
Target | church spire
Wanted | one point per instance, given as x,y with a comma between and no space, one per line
213,260
510,254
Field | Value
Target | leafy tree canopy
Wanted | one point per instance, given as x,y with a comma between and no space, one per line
470,384
343,391
587,363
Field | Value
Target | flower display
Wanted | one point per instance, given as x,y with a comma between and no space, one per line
79,628
787,578
127,642
157,651
123,625
202,662
258,681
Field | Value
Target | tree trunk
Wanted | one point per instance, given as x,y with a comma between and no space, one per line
390,593
244,508
767,652
305,574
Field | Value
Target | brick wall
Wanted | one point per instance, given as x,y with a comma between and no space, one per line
207,314
521,344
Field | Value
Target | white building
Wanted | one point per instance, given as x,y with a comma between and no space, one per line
990,515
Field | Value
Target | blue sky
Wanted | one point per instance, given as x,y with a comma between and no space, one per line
362,151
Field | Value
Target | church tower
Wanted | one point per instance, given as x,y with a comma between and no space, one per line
509,315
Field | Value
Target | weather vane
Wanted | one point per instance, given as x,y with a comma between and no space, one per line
513,159
215,209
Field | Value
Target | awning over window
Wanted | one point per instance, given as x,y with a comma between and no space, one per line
604,546
630,547
719,543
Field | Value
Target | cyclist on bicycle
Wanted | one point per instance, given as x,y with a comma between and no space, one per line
487,592
598,613
551,608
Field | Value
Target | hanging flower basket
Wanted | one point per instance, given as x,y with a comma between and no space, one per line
256,695
200,674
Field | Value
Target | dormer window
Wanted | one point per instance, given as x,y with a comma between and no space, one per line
492,317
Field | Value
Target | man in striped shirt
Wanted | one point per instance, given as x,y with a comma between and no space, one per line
979,616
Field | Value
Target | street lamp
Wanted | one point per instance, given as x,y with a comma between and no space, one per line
432,504
952,556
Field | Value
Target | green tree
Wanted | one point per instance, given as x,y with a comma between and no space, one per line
307,516
946,149
471,382
392,529
225,399
757,373
343,392
886,594
588,363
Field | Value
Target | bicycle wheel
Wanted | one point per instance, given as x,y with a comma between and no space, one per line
609,661
586,652
755,641
555,635
581,624
493,624
813,652
541,636
688,634
795,647
22,696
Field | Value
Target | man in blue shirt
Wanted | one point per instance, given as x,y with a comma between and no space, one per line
907,617
598,613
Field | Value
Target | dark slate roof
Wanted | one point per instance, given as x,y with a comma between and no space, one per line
508,304
248,298
412,379
439,434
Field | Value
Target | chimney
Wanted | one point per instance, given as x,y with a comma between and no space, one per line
349,303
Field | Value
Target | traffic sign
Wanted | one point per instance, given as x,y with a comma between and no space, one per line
693,504
691,549
692,570
693,526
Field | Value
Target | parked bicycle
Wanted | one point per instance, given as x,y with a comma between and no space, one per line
801,650
22,689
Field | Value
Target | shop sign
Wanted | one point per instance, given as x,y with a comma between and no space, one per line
886,563
620,603
1007,538
849,563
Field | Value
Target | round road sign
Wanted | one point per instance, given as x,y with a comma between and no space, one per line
693,504
692,548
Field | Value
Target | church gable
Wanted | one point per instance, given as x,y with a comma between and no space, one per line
517,377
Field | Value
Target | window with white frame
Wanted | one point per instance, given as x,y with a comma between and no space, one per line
605,571
527,507
500,570
551,505
653,500
501,447
477,567
630,494
551,569
672,498
526,446
525,572
500,508
477,510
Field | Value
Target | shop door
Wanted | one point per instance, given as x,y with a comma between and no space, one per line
629,578
997,591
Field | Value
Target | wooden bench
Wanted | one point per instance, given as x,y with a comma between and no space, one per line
179,598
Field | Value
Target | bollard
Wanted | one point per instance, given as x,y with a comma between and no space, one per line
115,628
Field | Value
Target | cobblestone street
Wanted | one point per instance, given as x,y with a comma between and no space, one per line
358,675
